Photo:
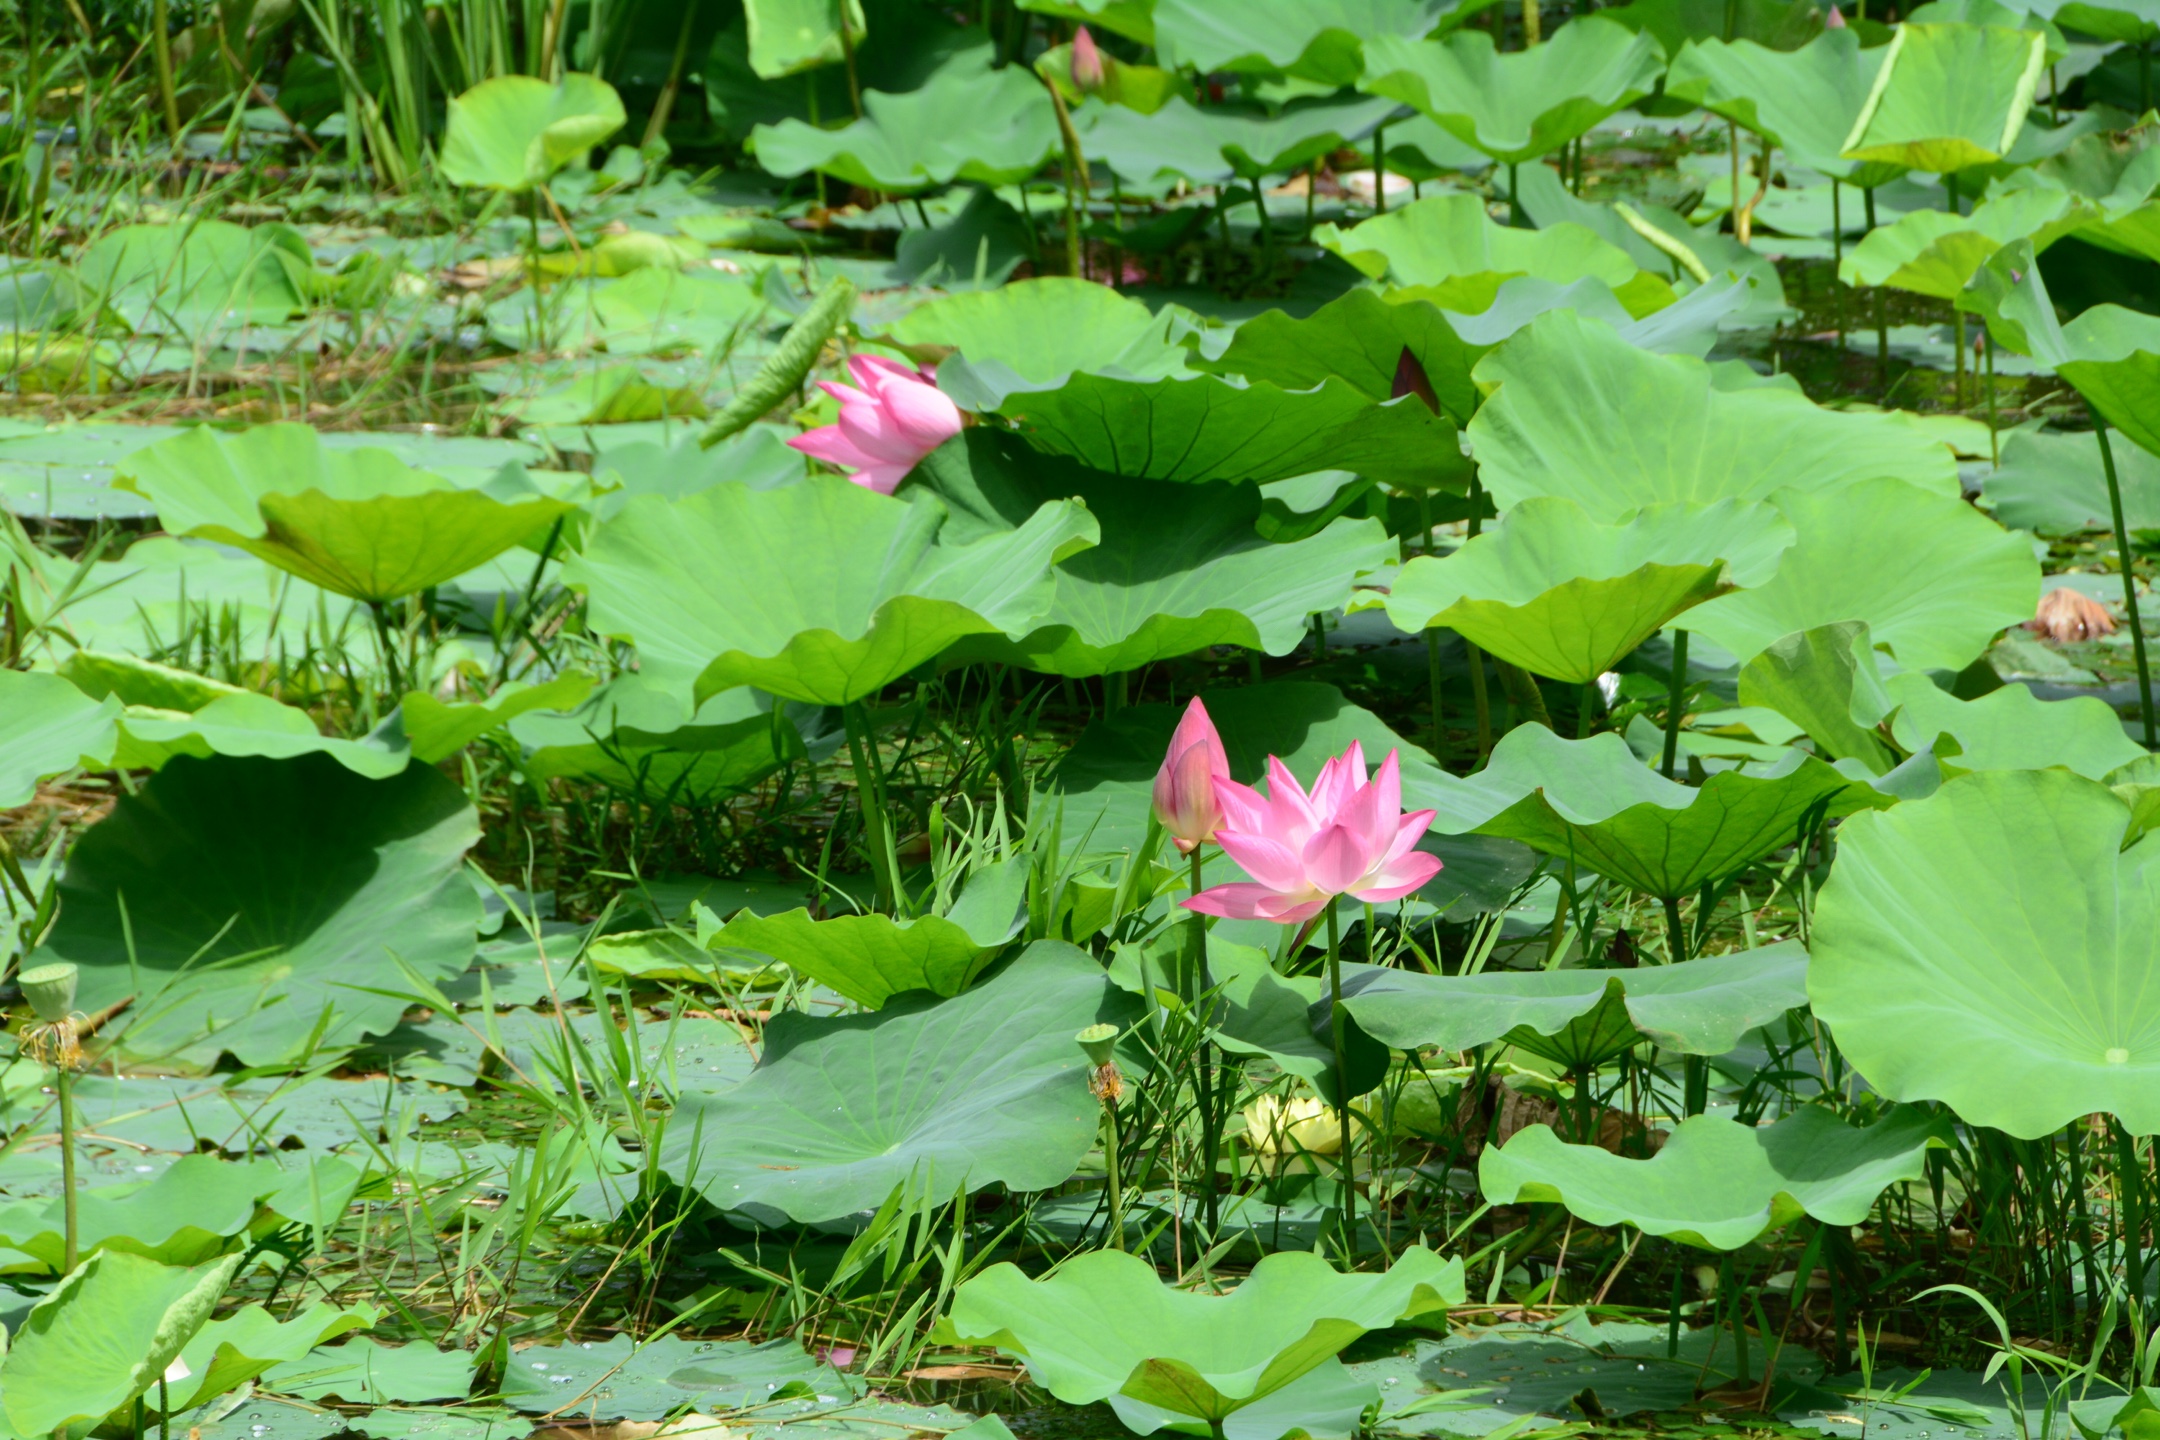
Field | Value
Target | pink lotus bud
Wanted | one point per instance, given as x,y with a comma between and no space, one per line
1185,787
1087,61
1834,20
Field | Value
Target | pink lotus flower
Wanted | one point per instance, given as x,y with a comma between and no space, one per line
886,427
1348,836
1185,787
1087,61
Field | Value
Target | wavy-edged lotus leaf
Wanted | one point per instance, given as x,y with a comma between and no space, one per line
788,37
1553,590
625,1379
981,1089
1358,337
243,725
1573,409
1214,144
1933,253
1778,24
637,739
968,121
1702,1007
2011,729
1948,96
361,1372
242,901
1448,238
245,1345
656,308
1593,802
1205,428
1826,681
436,729
1106,1327
188,1215
1035,334
1523,104
1718,1184
1284,1018
48,727
866,958
1179,568
361,522
1317,40
514,132
199,279
1991,947
2054,484
824,592
1934,579
104,1337
1803,100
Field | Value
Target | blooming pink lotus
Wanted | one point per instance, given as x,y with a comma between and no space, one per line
1348,836
1185,787
886,427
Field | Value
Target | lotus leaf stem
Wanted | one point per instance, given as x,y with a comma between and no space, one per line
64,1089
1379,169
2129,578
870,794
1675,698
1338,1023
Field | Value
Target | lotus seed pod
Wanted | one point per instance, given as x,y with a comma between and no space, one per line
1098,1041
50,989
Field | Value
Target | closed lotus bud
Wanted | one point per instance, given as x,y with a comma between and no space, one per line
1087,61
2066,614
1184,796
50,989
1834,20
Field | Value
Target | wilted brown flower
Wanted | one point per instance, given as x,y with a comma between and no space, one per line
2066,614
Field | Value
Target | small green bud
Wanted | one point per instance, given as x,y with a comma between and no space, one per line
50,989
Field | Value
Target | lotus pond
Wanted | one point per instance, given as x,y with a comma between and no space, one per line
872,720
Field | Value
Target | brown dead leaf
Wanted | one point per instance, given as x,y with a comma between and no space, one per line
2066,614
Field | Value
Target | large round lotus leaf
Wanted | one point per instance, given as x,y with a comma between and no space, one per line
1593,802
967,122
1553,590
1702,1007
47,726
1034,334
1803,100
1317,40
1214,144
1572,409
104,1337
244,901
362,1372
787,37
1358,337
1826,681
1523,104
2011,729
825,591
1992,947
865,958
1205,428
228,1352
1930,252
1448,237
437,729
243,724
2055,484
1179,568
193,1212
1718,1184
985,1088
513,132
1949,96
201,278
360,522
1933,578
1106,1327
640,741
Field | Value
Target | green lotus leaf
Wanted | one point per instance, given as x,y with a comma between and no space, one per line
1931,253
1719,1184
1134,19
1206,428
1702,1007
1553,590
625,1378
1179,567
968,121
190,1214
788,37
228,1352
243,725
1106,1327
2055,484
243,901
1990,947
2011,729
866,958
1778,25
1523,104
1826,681
1283,1019
361,1372
733,586
1803,100
654,309
361,523
437,729
1218,143
1448,238
1948,97
200,279
1034,334
984,1088
48,727
1358,337
514,132
1593,802
639,740
1321,42
1573,409
104,1337
1934,579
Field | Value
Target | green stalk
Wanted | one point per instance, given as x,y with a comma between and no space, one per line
1337,1023
2129,577
1882,318
870,794
1675,690
1379,170
161,51
1116,1180
66,1091
1987,338
1837,262
1204,1077
1479,700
